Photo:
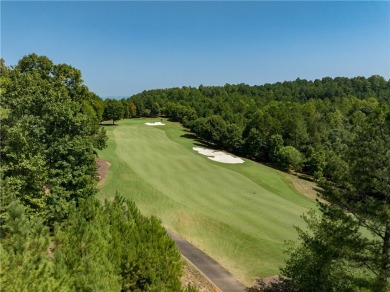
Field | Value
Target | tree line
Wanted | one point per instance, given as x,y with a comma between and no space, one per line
297,125
336,130
55,234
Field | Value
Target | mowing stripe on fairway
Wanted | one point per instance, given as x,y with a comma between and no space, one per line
240,214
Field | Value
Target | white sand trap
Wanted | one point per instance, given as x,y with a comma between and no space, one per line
155,124
218,155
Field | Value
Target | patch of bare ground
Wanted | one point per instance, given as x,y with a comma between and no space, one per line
304,184
271,279
270,283
102,169
195,278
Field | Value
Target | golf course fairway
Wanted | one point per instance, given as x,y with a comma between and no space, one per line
240,214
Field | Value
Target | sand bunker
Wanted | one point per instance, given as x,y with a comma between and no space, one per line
218,155
155,124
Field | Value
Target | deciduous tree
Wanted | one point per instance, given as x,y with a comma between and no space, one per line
113,110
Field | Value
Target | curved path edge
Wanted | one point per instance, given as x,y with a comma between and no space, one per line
212,270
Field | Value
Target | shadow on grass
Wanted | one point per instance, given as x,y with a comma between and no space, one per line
190,136
305,177
318,190
198,142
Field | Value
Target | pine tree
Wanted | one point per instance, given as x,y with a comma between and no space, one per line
26,264
348,247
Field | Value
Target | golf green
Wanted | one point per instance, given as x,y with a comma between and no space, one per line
240,214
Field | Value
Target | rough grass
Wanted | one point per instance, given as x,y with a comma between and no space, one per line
239,214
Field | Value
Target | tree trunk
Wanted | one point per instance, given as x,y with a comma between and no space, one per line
385,262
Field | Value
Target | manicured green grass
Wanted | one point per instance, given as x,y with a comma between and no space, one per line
239,214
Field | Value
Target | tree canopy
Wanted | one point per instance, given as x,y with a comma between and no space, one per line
113,110
317,118
55,235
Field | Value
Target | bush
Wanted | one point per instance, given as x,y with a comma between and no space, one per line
289,158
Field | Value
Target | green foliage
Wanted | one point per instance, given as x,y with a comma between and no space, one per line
276,144
98,105
115,248
113,110
213,129
100,139
40,64
322,262
55,236
233,138
47,136
348,247
288,158
125,106
315,162
256,145
179,113
155,110
149,261
132,109
321,116
83,248
24,255
97,248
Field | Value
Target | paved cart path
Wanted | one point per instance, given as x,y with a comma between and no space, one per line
217,274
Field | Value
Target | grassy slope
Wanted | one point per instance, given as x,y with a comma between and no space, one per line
240,214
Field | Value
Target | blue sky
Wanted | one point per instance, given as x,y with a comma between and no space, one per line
125,47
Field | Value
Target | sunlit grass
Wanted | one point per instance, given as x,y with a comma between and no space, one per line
240,214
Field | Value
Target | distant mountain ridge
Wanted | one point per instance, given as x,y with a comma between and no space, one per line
116,96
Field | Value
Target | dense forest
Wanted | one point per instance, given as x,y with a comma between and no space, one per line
298,125
335,130
55,235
